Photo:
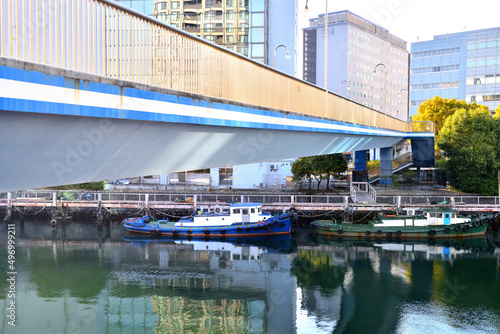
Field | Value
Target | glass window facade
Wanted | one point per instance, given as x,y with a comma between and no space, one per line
471,58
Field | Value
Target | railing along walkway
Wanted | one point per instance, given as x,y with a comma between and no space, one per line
270,201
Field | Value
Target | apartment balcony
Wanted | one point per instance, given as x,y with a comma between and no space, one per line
196,7
214,31
195,31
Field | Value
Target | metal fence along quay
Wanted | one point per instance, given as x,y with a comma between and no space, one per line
107,39
269,201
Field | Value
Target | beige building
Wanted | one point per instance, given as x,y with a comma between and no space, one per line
224,22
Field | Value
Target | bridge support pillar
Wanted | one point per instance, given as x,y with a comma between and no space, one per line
385,165
360,160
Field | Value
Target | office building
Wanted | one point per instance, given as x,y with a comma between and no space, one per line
464,66
355,48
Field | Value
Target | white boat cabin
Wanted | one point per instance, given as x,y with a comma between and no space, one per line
429,217
239,213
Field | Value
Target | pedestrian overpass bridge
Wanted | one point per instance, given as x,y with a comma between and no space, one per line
91,90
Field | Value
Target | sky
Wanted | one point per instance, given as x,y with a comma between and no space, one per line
414,20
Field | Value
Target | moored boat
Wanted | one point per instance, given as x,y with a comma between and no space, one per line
243,219
428,223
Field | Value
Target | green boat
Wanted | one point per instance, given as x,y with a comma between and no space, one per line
424,223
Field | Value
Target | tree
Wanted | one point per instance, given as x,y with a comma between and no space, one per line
439,109
470,141
320,167
302,169
337,165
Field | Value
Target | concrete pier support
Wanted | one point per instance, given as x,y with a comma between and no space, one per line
385,165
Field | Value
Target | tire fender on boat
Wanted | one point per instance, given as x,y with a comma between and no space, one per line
398,233
340,231
190,231
239,229
222,231
477,223
207,232
466,228
368,232
447,229
432,233
379,232
457,228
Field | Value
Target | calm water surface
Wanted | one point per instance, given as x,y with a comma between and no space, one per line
80,279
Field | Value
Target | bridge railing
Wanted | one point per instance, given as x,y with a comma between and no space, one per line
104,38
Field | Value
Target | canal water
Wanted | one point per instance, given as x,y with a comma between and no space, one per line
77,278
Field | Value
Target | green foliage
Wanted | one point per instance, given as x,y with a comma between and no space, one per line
315,271
372,164
320,167
82,186
395,181
470,142
438,110
441,164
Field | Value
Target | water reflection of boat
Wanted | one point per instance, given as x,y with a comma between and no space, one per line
429,246
274,243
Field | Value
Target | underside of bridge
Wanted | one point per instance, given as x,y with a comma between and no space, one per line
40,150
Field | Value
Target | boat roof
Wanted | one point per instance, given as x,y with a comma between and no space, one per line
439,210
244,205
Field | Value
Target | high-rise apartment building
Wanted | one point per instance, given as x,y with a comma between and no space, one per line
356,47
464,66
253,28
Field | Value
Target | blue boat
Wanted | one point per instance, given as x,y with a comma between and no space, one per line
242,220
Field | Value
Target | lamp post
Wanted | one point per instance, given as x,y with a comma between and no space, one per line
385,88
407,105
326,55
340,87
287,53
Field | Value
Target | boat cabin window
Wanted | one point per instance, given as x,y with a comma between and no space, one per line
236,211
245,211
436,215
260,209
252,210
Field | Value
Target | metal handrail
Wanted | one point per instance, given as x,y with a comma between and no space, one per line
406,200
104,38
